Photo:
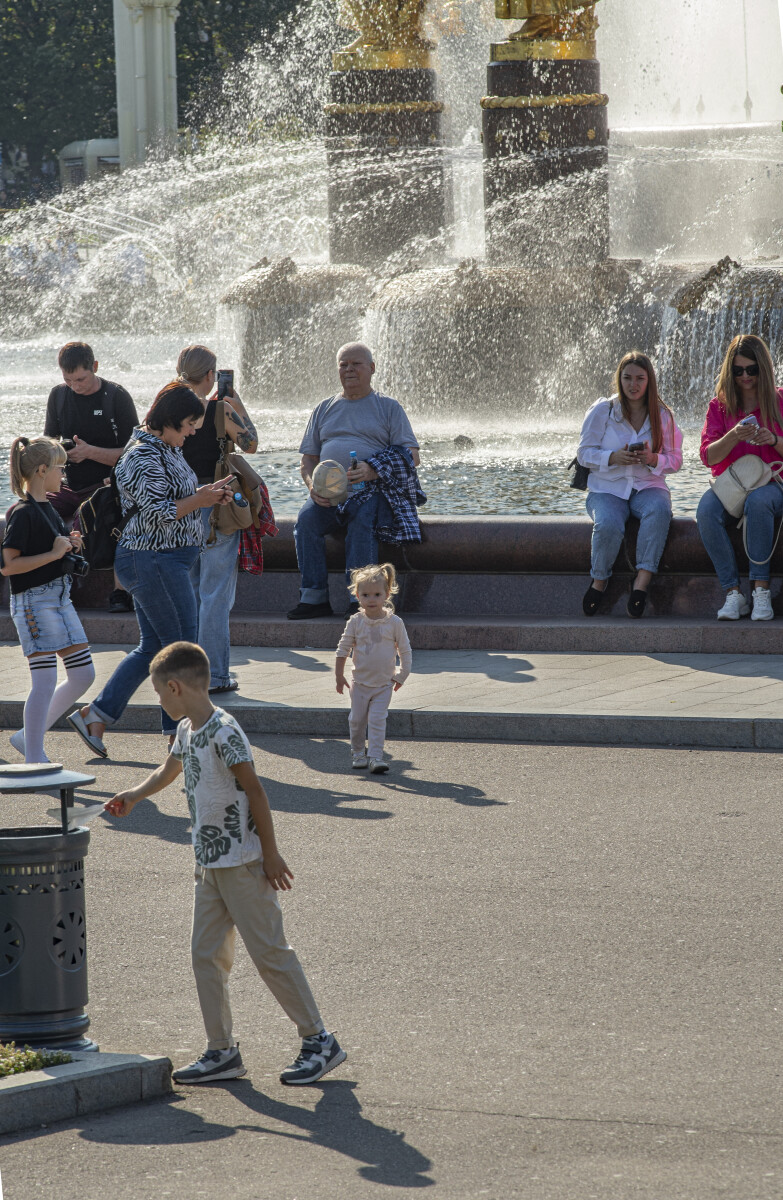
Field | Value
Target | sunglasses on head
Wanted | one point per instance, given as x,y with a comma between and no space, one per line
738,372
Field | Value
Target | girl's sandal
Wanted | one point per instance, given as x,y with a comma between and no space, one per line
636,603
591,600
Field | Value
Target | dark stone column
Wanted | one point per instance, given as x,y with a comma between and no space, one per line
546,190
384,148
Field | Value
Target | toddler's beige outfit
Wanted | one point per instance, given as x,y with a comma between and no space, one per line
374,647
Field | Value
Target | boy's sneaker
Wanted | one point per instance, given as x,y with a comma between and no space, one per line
378,766
319,1054
358,760
762,605
736,606
213,1065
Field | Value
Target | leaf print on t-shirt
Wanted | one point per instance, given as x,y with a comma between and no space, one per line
233,748
211,844
233,821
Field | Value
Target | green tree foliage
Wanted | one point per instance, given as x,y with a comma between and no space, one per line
57,64
57,67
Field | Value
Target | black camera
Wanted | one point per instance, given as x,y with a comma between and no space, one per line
75,564
67,444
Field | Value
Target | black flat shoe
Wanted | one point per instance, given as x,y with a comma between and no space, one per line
307,612
591,600
636,603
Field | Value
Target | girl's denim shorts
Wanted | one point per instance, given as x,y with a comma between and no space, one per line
45,619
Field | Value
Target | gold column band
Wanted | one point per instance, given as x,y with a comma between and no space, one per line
579,100
543,49
402,106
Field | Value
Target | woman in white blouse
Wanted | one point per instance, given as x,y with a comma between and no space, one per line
629,443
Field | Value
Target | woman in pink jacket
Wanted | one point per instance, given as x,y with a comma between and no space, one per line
745,417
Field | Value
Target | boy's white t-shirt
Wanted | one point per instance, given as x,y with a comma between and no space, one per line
224,833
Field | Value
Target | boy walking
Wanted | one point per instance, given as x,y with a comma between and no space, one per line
239,871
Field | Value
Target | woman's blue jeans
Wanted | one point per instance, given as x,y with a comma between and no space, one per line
312,525
653,509
214,576
159,581
762,507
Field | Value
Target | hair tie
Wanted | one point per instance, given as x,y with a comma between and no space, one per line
25,442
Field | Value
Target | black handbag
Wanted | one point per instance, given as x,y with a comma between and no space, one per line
580,475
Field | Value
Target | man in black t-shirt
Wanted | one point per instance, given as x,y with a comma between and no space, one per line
99,418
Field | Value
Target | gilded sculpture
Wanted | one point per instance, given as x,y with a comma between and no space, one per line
550,20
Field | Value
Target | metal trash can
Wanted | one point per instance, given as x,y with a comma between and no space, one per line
43,945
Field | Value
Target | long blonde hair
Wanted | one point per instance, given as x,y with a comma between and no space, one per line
194,363
27,455
384,571
747,345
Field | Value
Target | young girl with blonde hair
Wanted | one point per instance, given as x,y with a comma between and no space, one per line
35,545
374,637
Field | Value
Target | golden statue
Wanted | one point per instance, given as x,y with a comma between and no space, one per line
552,28
389,34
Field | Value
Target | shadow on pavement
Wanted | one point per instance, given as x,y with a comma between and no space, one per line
336,1123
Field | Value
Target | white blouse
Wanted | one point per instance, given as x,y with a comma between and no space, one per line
605,430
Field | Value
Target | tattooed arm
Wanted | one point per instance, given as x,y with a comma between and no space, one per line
239,427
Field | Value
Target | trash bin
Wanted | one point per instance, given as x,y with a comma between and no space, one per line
43,946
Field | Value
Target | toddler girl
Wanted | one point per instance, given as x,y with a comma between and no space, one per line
34,545
374,637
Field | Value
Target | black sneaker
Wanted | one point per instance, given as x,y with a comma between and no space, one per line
319,1054
352,608
304,611
213,1065
120,601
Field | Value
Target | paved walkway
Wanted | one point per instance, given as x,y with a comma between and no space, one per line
706,699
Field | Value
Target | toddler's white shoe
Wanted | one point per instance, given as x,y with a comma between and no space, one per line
378,766
736,606
358,761
762,605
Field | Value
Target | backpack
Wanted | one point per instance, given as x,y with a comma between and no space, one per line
110,410
102,522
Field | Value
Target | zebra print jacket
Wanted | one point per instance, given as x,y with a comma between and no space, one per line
153,476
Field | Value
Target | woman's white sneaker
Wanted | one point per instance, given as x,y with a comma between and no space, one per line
762,605
736,606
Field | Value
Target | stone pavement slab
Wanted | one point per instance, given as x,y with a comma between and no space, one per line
676,699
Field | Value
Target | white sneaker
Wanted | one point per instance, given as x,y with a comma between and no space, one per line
762,605
17,741
358,761
736,606
378,766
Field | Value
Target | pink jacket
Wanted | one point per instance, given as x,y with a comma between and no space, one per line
718,422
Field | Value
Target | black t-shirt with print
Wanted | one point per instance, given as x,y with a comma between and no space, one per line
28,531
86,417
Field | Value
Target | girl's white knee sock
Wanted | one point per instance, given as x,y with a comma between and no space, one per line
79,675
43,678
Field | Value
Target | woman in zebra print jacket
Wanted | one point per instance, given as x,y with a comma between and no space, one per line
158,546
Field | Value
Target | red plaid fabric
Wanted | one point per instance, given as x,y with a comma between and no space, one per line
251,550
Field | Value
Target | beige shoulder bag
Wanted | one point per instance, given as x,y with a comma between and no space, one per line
733,486
227,518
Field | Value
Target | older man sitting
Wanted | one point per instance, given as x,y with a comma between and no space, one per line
356,419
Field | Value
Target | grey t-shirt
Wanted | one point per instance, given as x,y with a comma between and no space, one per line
339,425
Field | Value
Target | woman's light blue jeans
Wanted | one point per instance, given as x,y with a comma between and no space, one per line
214,576
653,509
762,507
159,581
312,525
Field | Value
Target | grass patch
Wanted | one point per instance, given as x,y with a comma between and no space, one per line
16,1062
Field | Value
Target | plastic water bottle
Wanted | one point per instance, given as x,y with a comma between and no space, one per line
357,487
239,500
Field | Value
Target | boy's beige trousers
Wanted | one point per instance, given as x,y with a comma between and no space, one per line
231,899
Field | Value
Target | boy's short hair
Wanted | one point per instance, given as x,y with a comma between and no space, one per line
74,355
184,661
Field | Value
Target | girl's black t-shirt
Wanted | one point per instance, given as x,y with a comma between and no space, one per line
201,450
28,531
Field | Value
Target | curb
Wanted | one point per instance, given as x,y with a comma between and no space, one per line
91,1083
744,733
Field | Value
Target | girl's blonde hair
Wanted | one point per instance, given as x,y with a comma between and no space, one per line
194,363
747,345
27,455
384,571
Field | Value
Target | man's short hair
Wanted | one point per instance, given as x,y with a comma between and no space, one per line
74,355
356,348
184,661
